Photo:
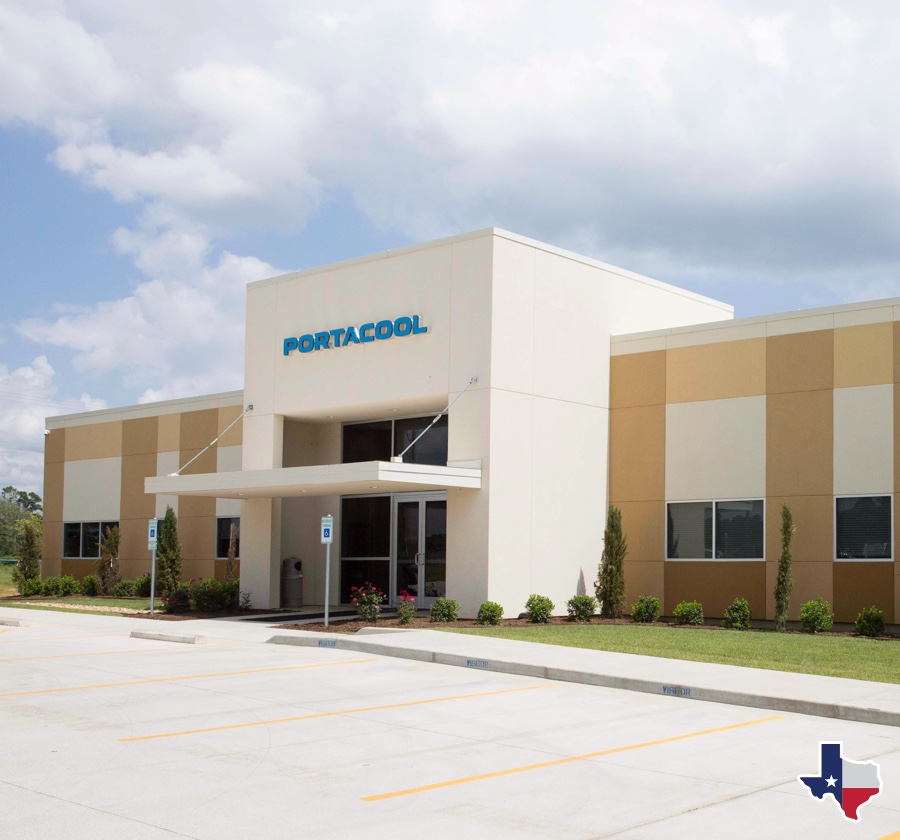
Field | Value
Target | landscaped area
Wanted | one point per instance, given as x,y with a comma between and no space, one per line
7,587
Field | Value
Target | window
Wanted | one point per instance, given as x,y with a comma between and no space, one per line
83,539
381,439
726,530
223,535
863,528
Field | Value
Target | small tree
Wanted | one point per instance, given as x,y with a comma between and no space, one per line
610,585
232,554
108,562
168,555
28,567
785,581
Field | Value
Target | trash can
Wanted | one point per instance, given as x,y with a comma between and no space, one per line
292,583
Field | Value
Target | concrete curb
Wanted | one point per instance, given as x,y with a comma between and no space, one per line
685,692
168,637
12,622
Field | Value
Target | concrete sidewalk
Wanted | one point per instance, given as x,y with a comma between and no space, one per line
845,699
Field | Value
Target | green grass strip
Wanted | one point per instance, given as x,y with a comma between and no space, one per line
831,656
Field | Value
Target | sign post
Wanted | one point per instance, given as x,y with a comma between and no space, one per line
327,539
152,531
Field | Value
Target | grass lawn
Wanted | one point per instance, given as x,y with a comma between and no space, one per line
833,656
7,587
83,601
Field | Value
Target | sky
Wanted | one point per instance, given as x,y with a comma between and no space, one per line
157,157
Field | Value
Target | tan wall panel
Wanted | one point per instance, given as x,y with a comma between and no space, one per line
140,436
814,523
864,355
78,568
54,474
643,579
51,549
192,506
644,527
208,462
169,433
135,502
220,570
811,580
799,444
715,585
55,446
896,441
199,429
716,371
637,456
800,362
98,440
135,559
234,436
861,585
637,379
198,538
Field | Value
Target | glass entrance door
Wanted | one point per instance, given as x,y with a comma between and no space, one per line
420,546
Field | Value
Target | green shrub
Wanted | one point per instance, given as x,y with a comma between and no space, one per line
489,613
33,586
610,584
50,586
737,615
142,586
444,610
178,601
367,599
538,609
646,610
29,565
688,612
816,616
68,586
212,595
90,585
581,607
870,622
406,608
124,589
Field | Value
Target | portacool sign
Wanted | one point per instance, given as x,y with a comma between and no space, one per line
333,339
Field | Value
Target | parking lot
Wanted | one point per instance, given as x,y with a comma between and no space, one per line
110,736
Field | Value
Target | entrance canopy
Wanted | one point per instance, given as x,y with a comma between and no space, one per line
321,480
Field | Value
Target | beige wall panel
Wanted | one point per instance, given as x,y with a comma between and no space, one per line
715,585
166,464
637,379
864,440
716,449
140,436
228,459
300,444
800,362
642,579
168,433
300,523
861,585
227,416
228,507
98,440
220,570
53,491
799,445
92,489
637,453
864,355
261,552
650,344
51,549
78,568
716,371
198,429
137,504
644,527
512,306
814,523
714,334
55,447
896,440
135,559
196,505
858,317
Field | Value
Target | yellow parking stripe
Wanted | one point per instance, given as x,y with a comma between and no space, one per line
6,630
67,638
894,836
333,714
186,677
107,653
556,762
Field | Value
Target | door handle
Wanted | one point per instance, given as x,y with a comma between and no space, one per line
418,555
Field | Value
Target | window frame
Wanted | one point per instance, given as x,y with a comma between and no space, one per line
393,421
834,538
102,525
714,503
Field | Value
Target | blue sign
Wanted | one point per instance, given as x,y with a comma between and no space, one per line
335,339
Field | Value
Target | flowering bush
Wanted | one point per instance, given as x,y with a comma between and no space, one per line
178,601
368,600
406,607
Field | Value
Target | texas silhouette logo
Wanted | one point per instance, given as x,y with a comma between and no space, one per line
850,783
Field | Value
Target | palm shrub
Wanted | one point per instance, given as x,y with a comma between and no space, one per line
29,565
168,555
108,561
581,607
489,612
784,583
610,585
646,610
737,615
538,609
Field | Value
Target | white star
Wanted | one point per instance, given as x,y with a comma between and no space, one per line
831,781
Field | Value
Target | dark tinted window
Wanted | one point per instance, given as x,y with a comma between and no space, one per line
72,539
223,534
431,449
366,527
739,529
864,527
367,442
90,539
689,531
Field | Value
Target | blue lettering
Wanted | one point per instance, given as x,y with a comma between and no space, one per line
307,343
405,323
415,326
327,643
322,340
351,336
337,336
290,344
383,330
363,329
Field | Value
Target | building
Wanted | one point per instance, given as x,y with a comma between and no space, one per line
572,385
